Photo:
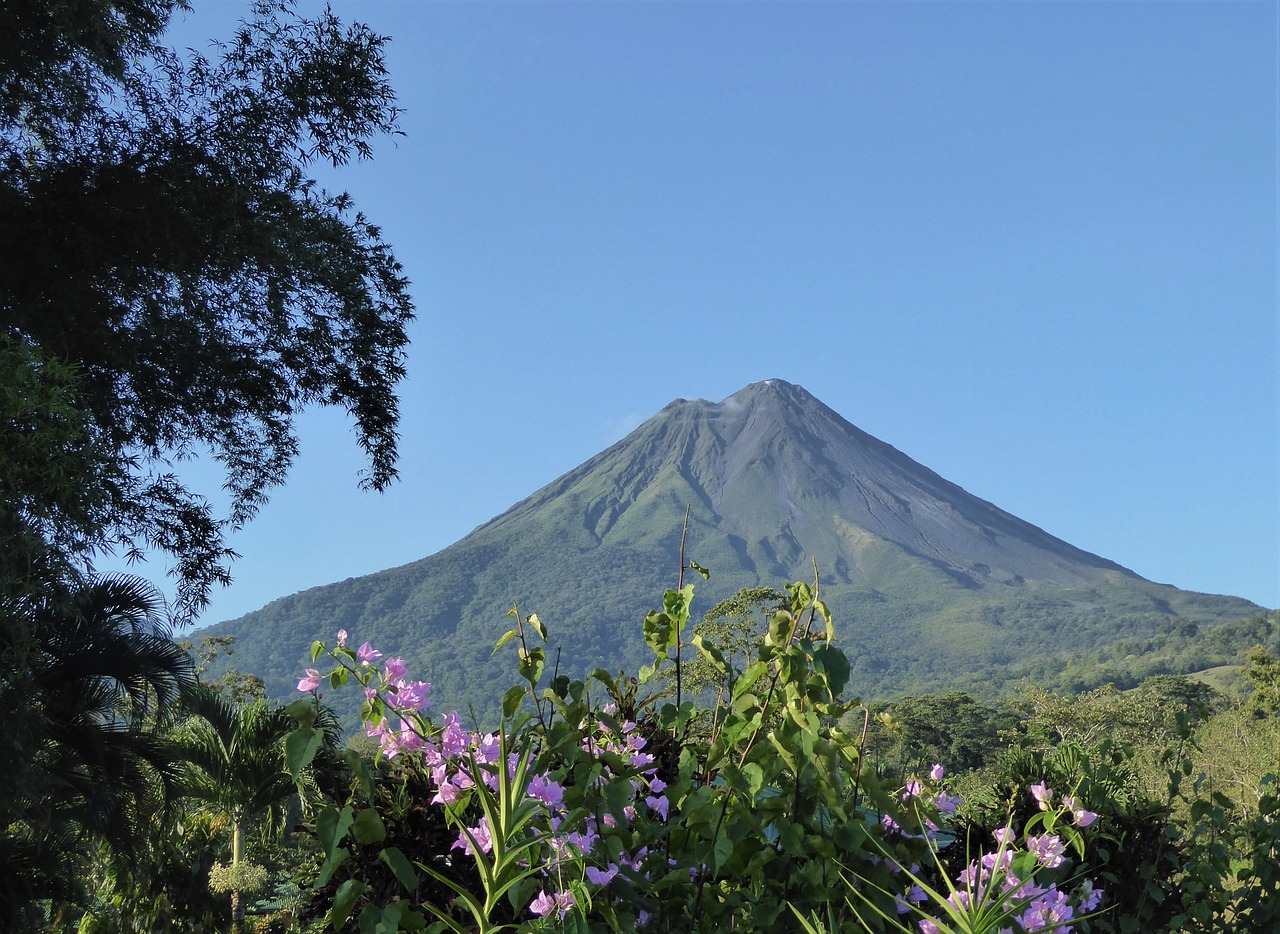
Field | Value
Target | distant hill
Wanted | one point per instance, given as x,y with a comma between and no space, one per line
932,588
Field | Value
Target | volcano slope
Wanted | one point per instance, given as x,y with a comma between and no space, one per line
931,588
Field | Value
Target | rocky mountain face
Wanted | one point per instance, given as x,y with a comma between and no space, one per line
931,587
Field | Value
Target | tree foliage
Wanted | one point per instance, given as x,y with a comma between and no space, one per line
167,264
84,730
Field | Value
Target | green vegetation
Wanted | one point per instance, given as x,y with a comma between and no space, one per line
173,285
738,780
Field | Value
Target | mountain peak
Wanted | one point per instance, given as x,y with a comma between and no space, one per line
763,487
771,389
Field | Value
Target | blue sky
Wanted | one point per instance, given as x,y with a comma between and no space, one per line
1033,246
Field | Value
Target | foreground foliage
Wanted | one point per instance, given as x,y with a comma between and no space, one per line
602,806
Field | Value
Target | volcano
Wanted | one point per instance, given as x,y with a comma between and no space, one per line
931,587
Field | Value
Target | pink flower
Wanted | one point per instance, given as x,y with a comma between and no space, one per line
412,695
545,790
366,654
1043,795
311,681
602,876
1048,850
659,804
480,833
342,638
945,803
543,905
1082,817
446,794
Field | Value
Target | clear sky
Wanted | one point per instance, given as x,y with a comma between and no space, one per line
1031,245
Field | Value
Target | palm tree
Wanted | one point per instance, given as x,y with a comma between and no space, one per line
91,681
236,764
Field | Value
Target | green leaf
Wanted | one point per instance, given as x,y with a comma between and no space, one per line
401,867
511,700
300,748
506,637
695,566
835,665
360,768
332,825
330,865
748,679
536,623
304,711
368,827
659,632
780,626
531,665
721,853
317,649
344,900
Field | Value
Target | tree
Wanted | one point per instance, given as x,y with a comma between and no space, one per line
236,765
172,274
85,717
952,729
1264,672
734,626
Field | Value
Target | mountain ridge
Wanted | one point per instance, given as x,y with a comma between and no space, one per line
930,583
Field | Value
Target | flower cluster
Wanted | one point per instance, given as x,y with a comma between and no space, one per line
1018,882
459,759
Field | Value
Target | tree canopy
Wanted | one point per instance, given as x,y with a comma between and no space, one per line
173,283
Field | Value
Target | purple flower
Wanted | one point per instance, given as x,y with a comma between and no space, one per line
412,695
602,876
342,638
488,748
395,669
912,790
1082,817
311,681
937,772
659,804
1005,836
545,790
1090,897
1043,795
366,654
480,833
946,804
543,905
1048,850
446,793
560,903
1050,910
453,739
